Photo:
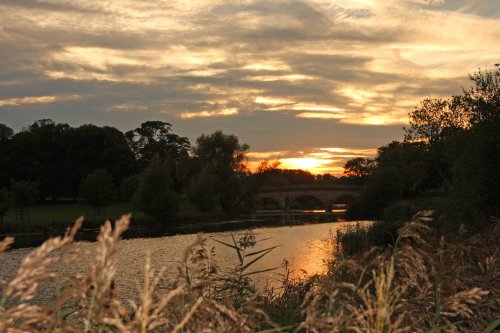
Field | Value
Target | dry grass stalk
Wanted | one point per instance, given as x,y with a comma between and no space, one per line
425,282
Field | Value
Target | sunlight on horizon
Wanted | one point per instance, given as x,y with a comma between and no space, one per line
317,161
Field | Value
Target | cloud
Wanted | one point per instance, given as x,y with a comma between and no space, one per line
223,112
34,100
316,160
333,72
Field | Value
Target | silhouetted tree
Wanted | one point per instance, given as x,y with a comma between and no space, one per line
37,153
475,152
24,193
155,138
155,195
414,163
283,177
5,132
482,101
226,158
359,167
433,118
128,187
202,191
90,148
385,186
98,190
6,203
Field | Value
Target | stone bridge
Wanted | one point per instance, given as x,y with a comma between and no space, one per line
328,195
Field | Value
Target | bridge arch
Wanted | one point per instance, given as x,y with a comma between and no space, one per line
326,195
344,199
314,201
341,202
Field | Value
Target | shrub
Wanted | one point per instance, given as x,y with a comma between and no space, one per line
98,190
5,203
128,187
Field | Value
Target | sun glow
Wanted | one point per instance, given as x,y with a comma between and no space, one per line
311,164
316,160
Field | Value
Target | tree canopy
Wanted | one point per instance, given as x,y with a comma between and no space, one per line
98,190
452,147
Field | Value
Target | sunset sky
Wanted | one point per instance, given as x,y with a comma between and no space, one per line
312,83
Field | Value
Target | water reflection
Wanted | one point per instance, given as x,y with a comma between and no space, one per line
302,245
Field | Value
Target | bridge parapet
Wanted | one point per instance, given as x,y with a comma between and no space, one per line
311,187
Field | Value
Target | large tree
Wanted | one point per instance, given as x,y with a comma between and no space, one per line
37,153
360,167
482,101
91,147
434,118
155,195
6,203
6,134
225,157
155,138
475,153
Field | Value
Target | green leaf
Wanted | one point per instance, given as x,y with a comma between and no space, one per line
492,326
260,251
266,251
238,250
277,329
260,271
224,243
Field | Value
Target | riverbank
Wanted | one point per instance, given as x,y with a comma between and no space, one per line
429,280
187,224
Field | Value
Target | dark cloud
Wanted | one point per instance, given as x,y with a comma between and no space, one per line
123,62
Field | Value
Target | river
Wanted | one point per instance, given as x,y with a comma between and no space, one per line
305,247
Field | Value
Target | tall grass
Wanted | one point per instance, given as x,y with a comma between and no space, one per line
422,282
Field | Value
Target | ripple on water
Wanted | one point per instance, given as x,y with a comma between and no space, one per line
303,246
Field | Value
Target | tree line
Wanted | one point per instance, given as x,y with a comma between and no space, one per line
150,166
450,149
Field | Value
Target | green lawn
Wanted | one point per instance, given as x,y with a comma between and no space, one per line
66,213
57,214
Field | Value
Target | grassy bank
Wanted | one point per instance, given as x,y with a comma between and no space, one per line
49,216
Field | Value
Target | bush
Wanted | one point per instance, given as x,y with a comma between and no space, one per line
6,203
358,239
98,190
128,187
385,186
201,191
24,193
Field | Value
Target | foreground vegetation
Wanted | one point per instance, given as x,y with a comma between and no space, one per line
426,282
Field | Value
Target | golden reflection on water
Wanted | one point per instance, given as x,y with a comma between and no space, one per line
303,246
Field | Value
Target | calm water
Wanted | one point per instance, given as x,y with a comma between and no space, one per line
304,246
